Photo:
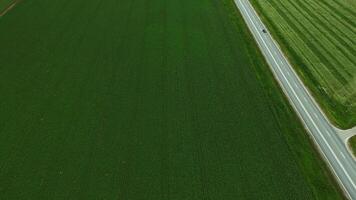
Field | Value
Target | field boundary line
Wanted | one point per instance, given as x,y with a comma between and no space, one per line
8,8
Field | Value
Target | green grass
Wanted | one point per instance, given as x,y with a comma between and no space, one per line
352,143
146,99
319,39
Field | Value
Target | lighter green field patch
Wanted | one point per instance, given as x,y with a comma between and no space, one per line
319,38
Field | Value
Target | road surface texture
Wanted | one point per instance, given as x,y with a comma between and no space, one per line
325,136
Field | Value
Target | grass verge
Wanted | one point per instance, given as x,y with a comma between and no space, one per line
352,143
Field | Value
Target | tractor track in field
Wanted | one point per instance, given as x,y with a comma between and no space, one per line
8,8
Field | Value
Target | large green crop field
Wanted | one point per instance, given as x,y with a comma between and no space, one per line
145,99
352,143
319,38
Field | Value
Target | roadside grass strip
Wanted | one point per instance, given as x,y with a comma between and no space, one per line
352,143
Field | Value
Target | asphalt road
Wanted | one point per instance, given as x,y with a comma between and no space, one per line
323,133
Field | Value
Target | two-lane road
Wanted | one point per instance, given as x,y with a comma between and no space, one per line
324,135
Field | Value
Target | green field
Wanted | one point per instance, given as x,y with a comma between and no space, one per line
318,36
145,100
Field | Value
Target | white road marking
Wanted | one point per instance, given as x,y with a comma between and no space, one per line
342,154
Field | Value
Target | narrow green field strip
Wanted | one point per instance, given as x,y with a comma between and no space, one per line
321,40
294,38
344,40
328,37
349,7
312,41
348,3
307,46
337,20
297,44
